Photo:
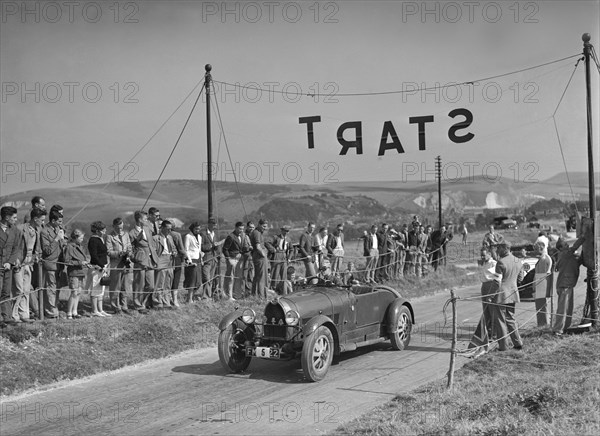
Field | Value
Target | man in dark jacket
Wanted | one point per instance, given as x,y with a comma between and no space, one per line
234,247
307,256
10,246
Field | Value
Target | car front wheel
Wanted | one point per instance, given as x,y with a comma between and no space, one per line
317,354
401,337
232,350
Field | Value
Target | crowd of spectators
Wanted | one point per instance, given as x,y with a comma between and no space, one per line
148,266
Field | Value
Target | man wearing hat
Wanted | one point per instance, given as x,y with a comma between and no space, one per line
280,252
210,248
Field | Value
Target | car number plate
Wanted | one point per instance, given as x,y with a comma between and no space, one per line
264,352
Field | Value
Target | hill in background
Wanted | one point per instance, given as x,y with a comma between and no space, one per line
187,199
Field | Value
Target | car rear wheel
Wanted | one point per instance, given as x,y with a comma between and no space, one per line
401,338
232,350
317,354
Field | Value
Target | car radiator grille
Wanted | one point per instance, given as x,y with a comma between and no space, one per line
275,326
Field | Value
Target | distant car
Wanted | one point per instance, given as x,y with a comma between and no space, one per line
529,257
315,324
506,224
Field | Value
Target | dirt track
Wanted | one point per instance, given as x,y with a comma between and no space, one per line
191,394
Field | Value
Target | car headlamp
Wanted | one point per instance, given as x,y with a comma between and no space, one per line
292,317
248,316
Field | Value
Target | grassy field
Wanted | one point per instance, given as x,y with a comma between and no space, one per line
551,388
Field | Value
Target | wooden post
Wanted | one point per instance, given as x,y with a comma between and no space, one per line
454,337
40,290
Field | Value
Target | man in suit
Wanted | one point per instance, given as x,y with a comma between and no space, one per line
10,245
154,220
178,265
145,258
234,247
335,248
305,248
29,254
438,239
210,248
280,251
163,275
371,252
121,276
247,259
383,262
259,258
508,295
53,244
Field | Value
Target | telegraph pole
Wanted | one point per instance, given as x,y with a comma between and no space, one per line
207,79
438,173
591,253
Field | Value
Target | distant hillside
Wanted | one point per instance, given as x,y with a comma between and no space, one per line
187,199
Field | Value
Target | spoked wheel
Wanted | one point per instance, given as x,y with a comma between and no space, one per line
317,354
232,352
401,338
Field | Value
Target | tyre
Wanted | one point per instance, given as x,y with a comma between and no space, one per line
317,354
403,323
232,352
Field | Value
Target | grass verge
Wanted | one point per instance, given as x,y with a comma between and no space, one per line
50,351
553,387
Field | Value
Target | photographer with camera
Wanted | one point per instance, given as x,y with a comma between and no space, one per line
121,272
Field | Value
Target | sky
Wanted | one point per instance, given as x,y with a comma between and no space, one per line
86,85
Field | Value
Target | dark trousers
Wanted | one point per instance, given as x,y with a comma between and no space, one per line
485,329
5,297
193,278
259,284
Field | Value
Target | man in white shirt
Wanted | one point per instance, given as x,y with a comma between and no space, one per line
193,269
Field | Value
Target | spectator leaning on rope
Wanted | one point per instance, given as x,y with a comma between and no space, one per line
10,246
77,262
53,244
98,261
567,265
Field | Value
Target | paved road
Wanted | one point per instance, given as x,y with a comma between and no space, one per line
190,393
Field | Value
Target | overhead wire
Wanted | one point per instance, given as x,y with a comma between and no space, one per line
174,147
131,159
216,103
362,94
556,130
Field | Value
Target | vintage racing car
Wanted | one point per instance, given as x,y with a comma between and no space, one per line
316,323
529,257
